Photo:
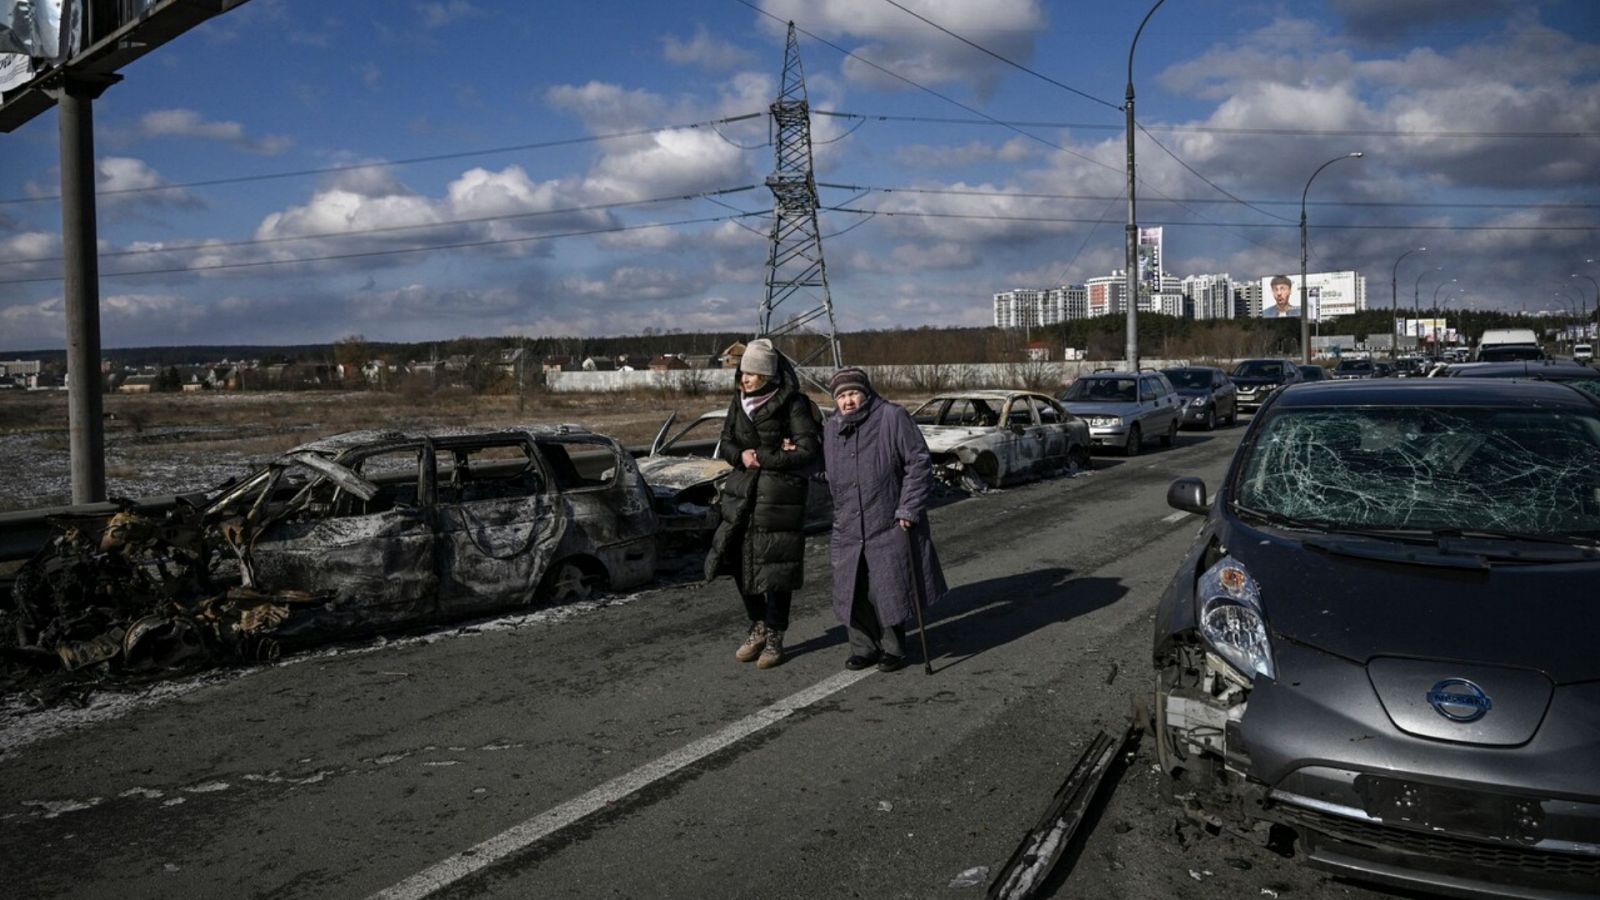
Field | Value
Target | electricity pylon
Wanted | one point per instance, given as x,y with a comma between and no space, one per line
795,269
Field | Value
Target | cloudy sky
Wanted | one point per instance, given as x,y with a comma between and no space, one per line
299,171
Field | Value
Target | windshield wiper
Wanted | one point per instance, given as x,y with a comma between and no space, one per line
1280,520
1513,547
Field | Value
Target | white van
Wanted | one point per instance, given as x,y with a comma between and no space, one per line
1498,344
1583,353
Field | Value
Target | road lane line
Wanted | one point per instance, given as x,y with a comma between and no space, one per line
1174,517
468,862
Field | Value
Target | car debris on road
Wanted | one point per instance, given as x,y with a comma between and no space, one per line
349,536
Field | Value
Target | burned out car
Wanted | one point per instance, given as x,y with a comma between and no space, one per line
351,535
1383,636
684,468
983,439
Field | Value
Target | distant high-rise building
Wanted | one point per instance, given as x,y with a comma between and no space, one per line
1107,295
1210,296
1247,300
1018,308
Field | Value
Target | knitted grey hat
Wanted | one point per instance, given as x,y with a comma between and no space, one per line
760,357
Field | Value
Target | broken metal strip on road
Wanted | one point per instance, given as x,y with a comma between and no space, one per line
1039,852
524,834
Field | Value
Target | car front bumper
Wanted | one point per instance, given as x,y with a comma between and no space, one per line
1316,750
1194,415
1108,436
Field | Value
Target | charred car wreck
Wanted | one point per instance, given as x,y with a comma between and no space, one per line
985,439
1380,645
353,535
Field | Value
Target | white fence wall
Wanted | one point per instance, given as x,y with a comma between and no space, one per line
927,378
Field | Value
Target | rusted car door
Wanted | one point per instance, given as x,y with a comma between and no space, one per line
1052,425
499,522
375,554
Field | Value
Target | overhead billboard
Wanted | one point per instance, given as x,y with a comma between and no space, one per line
44,30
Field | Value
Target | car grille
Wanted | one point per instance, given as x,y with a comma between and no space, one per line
1560,866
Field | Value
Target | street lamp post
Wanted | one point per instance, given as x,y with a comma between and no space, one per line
1394,302
1586,301
1416,297
1131,260
1305,311
1433,312
1439,323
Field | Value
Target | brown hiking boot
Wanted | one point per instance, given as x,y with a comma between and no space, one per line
773,654
753,642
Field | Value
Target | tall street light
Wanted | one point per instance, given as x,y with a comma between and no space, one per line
1305,311
1394,302
1586,301
1131,279
1416,297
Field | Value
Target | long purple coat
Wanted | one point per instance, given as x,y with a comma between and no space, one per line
879,471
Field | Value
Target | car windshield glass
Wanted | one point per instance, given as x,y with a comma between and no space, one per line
1491,354
1257,368
1526,471
1355,365
1188,378
1121,390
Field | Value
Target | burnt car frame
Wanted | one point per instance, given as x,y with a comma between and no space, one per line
685,467
353,535
1403,678
984,439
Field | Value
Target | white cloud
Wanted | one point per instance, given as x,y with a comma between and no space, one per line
703,50
188,123
897,41
446,12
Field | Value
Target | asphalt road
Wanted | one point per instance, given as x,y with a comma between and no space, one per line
621,752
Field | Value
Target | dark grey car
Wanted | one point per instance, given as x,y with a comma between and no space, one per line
1383,637
1256,379
1209,396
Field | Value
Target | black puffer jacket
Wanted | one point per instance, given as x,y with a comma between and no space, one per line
761,539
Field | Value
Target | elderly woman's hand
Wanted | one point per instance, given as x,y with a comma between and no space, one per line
788,445
905,524
749,459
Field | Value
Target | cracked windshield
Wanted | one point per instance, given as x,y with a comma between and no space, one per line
1518,471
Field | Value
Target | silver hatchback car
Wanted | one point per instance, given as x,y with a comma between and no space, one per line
1125,409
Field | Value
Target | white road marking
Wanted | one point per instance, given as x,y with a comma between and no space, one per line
466,863
1175,516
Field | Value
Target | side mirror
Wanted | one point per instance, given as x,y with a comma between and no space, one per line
1189,495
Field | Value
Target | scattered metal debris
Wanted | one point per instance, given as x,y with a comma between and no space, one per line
1039,851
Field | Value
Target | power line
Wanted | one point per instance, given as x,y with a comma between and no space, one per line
1215,129
1202,200
396,252
1196,173
464,154
1077,221
1014,64
387,229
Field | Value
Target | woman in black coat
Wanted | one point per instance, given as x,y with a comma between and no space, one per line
772,438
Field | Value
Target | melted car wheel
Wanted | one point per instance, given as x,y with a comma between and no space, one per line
567,582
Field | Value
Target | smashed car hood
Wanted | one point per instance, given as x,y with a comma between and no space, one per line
944,438
675,473
1510,615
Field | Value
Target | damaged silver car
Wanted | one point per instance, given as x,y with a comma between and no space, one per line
984,439
352,535
1379,652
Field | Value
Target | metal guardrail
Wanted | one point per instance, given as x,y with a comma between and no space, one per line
23,532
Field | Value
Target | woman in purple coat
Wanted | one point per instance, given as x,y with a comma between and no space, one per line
881,477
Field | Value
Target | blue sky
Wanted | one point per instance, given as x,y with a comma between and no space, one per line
1479,120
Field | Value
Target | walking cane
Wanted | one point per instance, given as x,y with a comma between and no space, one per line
921,598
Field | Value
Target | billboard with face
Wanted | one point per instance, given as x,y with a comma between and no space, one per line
45,30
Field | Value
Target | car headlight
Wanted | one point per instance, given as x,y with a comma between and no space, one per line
1230,618
1200,401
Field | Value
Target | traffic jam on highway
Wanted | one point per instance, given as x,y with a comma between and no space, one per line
1379,646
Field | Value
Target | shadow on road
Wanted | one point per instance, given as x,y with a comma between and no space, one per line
985,614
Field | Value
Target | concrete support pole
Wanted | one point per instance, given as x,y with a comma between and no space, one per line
75,111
